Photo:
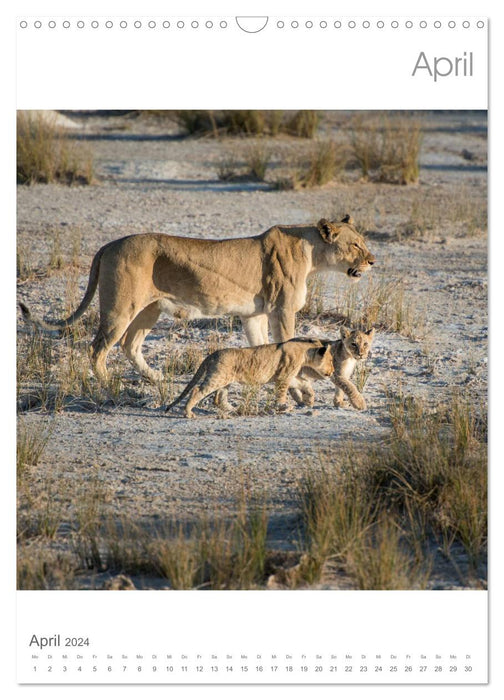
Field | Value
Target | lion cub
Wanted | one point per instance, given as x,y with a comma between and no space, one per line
279,363
353,346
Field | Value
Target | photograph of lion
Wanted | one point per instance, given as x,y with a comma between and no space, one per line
251,261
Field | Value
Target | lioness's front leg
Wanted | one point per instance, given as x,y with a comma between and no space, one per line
256,329
283,324
354,396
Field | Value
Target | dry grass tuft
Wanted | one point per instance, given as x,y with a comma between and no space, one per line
45,154
376,513
205,554
384,304
387,150
249,122
31,443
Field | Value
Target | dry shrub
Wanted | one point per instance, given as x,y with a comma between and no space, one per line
377,512
382,560
387,150
45,154
205,554
314,304
31,443
324,163
303,123
462,214
320,165
251,167
41,569
382,303
249,122
257,157
228,167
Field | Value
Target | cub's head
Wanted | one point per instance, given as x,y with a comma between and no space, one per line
345,249
357,343
320,359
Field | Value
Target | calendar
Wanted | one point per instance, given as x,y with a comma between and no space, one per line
223,640
252,347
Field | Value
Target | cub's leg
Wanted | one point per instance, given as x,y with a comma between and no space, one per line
256,330
301,391
221,401
132,340
281,387
207,386
339,397
283,326
354,396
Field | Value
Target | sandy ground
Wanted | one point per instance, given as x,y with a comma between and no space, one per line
156,464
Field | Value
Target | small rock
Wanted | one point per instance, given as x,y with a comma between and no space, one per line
119,583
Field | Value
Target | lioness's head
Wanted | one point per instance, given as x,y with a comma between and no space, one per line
357,343
346,250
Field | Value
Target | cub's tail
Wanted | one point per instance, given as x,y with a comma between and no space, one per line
200,373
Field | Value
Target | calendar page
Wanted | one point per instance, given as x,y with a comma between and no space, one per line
251,346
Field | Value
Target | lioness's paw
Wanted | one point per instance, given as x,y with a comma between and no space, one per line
338,402
283,408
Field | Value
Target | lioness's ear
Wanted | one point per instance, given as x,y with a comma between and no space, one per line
328,230
345,332
370,332
347,219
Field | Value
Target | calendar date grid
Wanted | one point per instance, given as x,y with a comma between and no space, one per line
255,664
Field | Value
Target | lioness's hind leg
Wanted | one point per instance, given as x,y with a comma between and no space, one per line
132,340
105,339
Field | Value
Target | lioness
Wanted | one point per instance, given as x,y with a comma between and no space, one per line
279,363
261,279
353,345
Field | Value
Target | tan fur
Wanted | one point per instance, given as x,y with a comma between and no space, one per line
353,346
278,363
261,279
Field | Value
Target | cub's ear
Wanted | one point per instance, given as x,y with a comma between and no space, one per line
370,332
345,332
328,230
347,219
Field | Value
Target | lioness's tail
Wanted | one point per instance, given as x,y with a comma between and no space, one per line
200,372
55,325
